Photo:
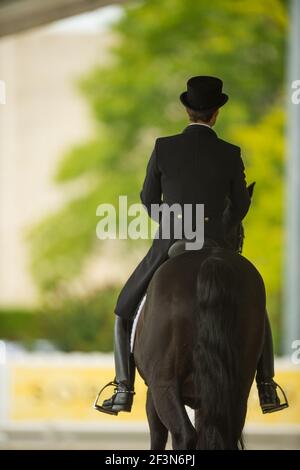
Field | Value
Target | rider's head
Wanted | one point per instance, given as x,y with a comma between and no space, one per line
205,117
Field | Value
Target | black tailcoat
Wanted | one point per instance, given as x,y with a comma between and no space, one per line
193,167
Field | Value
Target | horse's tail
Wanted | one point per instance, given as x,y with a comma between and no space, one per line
216,355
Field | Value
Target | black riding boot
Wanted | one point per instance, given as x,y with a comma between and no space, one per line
269,400
122,399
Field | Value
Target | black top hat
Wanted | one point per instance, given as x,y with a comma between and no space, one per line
204,93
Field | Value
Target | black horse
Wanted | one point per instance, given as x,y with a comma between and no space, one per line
198,341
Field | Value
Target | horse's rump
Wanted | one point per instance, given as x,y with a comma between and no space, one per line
201,332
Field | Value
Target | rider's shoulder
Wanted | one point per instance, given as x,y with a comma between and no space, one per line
235,149
165,139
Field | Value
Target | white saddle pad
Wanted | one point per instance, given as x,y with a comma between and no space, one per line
136,319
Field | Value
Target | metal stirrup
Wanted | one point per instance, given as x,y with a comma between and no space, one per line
105,410
98,407
284,395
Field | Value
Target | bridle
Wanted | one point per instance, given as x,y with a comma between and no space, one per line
235,238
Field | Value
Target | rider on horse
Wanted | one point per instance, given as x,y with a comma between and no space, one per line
213,173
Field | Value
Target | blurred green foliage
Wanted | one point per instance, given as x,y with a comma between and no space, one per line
134,99
22,325
71,323
82,324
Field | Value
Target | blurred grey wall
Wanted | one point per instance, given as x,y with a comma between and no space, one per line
43,116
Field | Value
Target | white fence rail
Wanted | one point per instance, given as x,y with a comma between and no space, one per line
46,401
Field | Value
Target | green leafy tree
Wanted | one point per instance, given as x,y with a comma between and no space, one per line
134,99
264,242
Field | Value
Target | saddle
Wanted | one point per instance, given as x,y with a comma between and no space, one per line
175,249
179,246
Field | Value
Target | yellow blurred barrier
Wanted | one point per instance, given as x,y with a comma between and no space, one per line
61,389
